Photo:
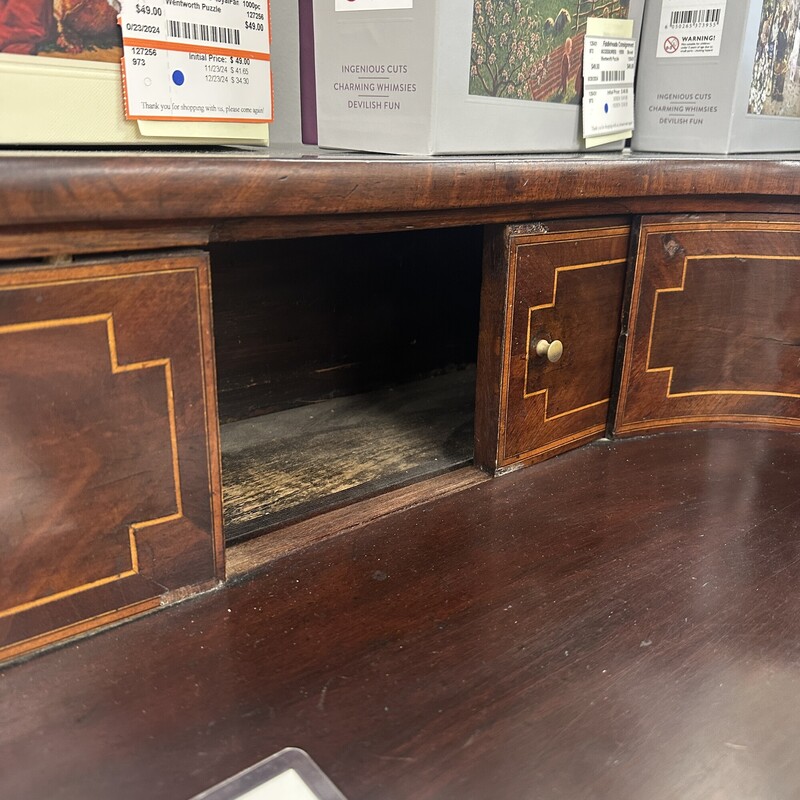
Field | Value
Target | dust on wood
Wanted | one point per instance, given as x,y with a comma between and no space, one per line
282,466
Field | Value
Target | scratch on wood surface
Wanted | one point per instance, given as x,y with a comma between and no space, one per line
322,696
337,366
469,741
397,758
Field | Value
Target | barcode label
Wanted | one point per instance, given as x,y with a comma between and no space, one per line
695,16
691,28
213,34
612,76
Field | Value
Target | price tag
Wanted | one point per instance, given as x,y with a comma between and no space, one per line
191,60
609,66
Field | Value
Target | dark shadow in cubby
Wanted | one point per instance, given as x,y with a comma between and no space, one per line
345,367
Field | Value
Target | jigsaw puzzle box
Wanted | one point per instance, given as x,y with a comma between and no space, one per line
454,76
60,81
719,77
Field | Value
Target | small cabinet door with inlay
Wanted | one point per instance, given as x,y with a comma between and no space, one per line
109,484
550,320
713,336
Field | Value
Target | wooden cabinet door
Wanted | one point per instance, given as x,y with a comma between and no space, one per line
110,485
559,283
713,336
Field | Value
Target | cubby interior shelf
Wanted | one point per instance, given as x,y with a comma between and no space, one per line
345,367
284,466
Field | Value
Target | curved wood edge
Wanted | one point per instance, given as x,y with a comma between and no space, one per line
100,188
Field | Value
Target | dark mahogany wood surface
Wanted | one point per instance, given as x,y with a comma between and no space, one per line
713,335
557,281
621,622
251,194
110,486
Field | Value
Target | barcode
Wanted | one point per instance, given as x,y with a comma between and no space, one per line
612,76
203,33
695,16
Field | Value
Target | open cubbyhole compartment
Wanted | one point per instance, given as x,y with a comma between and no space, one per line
345,368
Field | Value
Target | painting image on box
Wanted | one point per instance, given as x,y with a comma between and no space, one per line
775,87
533,49
83,29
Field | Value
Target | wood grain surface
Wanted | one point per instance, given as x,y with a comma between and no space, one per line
109,492
554,281
49,187
619,622
256,554
714,329
58,241
293,464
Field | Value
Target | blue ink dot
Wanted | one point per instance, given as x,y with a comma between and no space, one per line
605,107
178,78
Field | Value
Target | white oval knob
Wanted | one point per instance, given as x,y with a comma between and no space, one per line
553,350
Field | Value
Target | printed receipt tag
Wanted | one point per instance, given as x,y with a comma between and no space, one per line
187,60
609,66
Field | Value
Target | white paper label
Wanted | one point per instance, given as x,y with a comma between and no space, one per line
609,65
188,60
372,5
690,28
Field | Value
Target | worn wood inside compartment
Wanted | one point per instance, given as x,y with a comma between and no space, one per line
288,465
346,367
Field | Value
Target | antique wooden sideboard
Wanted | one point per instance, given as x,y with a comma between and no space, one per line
228,377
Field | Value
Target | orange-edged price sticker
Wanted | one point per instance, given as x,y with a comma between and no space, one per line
207,61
